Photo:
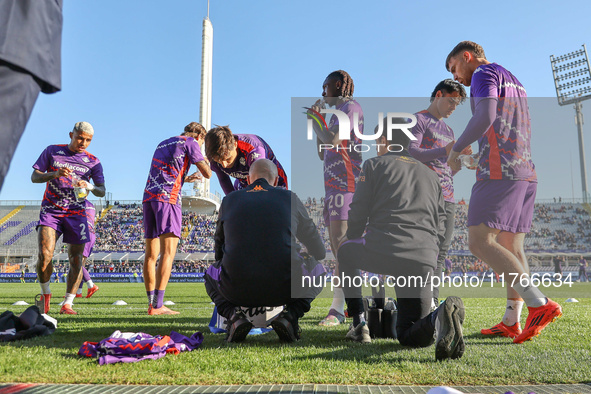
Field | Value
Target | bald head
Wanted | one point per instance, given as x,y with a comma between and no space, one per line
263,168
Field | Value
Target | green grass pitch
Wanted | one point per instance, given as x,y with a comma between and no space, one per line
561,354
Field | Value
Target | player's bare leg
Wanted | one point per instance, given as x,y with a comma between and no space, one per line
484,244
149,272
46,237
337,230
76,258
46,241
76,261
168,245
513,242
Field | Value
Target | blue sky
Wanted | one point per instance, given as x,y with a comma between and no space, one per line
132,69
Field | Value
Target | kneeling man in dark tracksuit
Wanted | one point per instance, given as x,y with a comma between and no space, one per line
399,204
257,256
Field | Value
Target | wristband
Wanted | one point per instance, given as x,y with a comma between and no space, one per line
89,186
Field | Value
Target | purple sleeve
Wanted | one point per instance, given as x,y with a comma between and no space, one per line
223,178
97,174
257,153
483,118
484,93
194,151
42,163
415,150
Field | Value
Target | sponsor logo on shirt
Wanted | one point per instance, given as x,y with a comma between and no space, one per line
61,152
257,188
70,166
333,213
237,175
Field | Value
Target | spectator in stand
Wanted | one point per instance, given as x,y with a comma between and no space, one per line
583,270
557,265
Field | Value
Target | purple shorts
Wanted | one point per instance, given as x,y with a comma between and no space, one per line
89,245
161,218
503,204
74,228
336,206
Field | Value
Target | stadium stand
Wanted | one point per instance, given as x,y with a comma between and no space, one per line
558,229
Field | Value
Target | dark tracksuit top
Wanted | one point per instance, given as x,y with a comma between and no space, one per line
256,229
400,203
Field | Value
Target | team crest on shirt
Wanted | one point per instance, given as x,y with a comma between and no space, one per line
243,161
86,159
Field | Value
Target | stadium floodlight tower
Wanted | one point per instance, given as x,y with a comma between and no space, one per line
572,77
203,201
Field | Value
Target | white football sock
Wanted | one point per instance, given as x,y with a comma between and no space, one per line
338,301
45,288
69,299
89,283
532,296
512,312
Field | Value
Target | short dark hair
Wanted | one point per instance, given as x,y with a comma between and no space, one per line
219,141
195,128
449,86
463,46
398,136
348,87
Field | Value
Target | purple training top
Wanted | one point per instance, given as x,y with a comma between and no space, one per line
341,166
432,136
502,126
133,347
249,148
59,199
170,165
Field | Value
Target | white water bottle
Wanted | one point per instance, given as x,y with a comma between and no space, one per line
79,192
469,161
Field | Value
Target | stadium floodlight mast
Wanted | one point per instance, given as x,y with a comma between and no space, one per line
206,72
206,79
572,78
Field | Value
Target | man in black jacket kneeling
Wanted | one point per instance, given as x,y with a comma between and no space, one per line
258,261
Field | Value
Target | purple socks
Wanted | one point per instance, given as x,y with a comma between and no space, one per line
158,298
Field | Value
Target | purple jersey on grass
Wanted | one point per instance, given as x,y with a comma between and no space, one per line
429,148
249,148
59,199
170,164
133,347
341,166
504,146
